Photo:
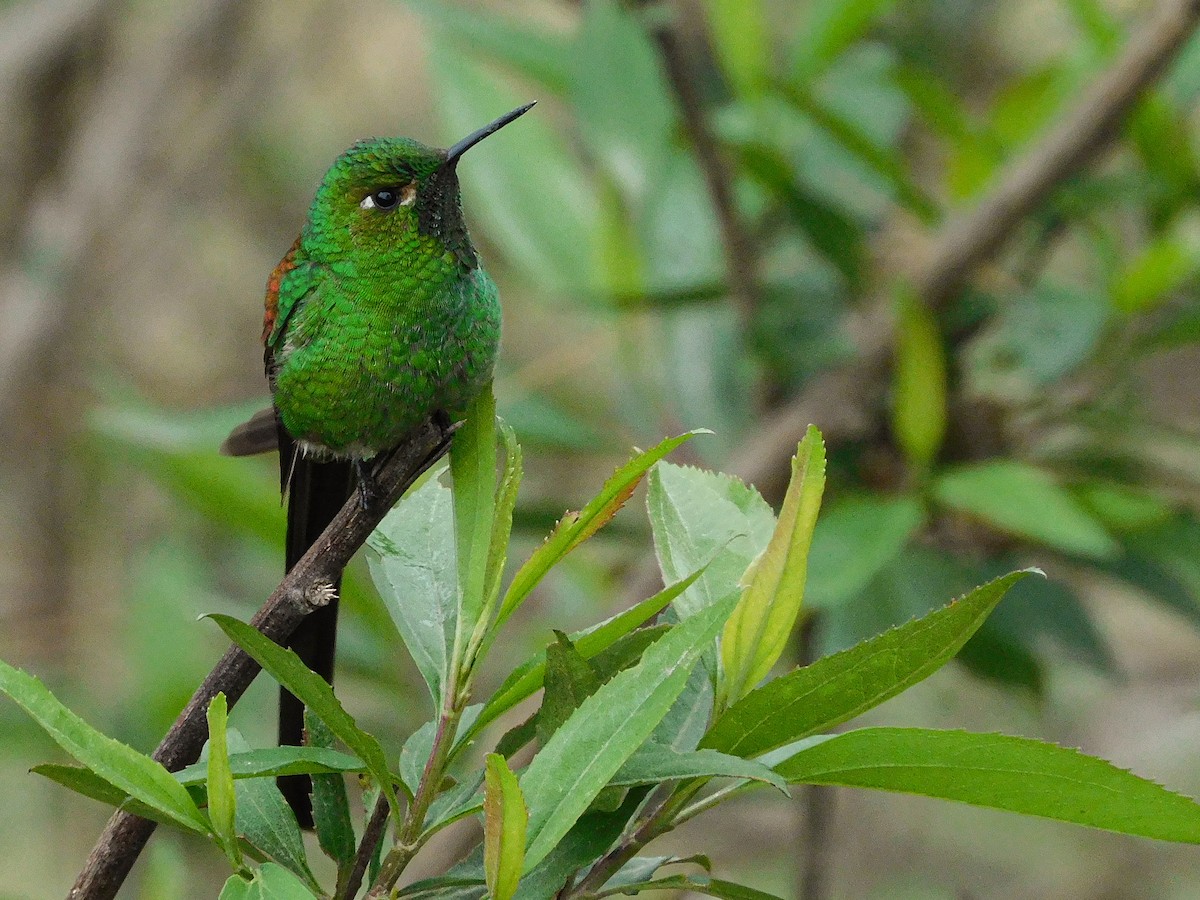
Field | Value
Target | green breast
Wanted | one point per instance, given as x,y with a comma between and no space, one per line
365,358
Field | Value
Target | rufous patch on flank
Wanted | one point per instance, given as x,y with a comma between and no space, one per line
271,312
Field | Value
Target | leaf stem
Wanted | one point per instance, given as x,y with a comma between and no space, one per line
410,838
372,835
663,820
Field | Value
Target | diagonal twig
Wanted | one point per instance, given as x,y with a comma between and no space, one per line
843,399
306,587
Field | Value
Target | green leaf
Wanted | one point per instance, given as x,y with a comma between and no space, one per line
705,519
537,53
473,468
919,383
575,528
642,868
569,681
89,784
839,687
884,162
830,27
506,502
1161,135
266,821
826,226
331,806
589,840
584,754
593,836
654,763
271,882
688,719
269,762
413,564
137,775
315,692
624,108
698,884
854,539
529,677
1000,772
504,822
455,803
741,37
1026,501
762,622
222,804
1160,270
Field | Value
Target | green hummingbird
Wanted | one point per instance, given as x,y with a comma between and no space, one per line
378,318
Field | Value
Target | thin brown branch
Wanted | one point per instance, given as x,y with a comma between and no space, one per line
844,400
737,243
303,589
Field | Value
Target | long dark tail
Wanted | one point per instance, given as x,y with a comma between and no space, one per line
316,492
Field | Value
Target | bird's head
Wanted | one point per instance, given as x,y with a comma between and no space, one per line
384,194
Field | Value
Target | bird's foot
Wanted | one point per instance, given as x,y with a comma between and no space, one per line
368,488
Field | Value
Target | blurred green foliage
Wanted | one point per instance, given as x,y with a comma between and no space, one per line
1043,416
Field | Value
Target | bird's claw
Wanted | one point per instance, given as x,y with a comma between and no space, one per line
368,488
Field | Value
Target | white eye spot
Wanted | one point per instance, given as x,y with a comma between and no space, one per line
408,194
368,202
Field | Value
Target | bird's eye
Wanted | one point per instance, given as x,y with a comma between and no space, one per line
383,199
389,198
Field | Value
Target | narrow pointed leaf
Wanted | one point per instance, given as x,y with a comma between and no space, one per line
265,821
286,668
506,502
528,678
413,565
1001,772
504,822
575,528
584,754
89,784
697,884
760,626
655,763
269,762
331,806
919,383
742,39
473,468
120,765
839,687
1025,501
222,803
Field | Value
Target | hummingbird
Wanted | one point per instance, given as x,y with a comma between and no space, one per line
378,318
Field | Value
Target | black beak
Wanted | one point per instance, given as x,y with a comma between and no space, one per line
453,154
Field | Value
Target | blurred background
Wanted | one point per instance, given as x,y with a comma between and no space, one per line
732,214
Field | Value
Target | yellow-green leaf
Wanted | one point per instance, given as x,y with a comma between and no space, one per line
919,410
222,805
504,823
473,468
757,632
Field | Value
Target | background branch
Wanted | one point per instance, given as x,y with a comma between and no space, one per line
736,241
842,399
304,588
